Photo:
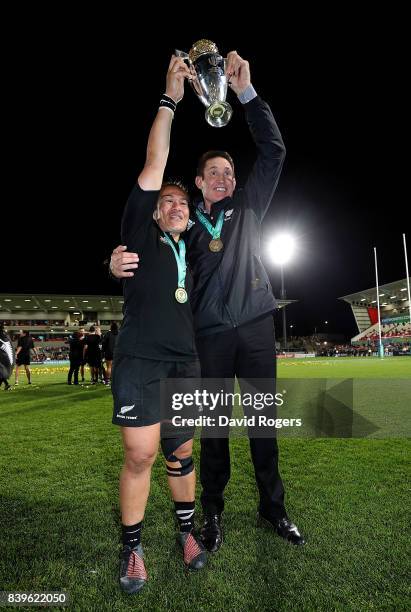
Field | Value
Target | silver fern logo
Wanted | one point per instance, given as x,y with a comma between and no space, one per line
125,409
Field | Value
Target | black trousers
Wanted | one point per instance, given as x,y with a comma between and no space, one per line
247,352
74,368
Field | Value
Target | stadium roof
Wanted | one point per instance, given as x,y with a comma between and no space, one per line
395,292
13,302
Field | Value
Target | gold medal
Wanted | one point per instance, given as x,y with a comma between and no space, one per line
216,245
181,295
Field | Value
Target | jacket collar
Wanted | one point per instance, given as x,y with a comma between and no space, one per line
215,208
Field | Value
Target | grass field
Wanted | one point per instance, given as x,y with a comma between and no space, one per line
59,517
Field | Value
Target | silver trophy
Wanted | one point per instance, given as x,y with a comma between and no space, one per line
209,80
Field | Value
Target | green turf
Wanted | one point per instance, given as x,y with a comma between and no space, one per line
346,367
59,464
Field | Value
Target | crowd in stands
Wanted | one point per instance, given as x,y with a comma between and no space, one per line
54,353
365,350
388,330
33,322
40,338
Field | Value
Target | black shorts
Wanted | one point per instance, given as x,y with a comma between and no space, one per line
22,360
94,362
136,387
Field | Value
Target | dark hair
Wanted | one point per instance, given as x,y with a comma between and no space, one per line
171,182
92,328
210,155
114,328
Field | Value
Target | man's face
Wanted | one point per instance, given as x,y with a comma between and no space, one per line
218,180
172,210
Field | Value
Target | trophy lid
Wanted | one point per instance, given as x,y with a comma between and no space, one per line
201,47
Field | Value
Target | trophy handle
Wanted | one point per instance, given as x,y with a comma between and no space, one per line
182,54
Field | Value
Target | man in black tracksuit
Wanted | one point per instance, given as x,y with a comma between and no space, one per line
233,303
76,357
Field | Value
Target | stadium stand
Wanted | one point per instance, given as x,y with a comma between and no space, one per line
394,316
51,319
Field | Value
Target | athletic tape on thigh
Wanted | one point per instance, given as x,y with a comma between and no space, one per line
170,445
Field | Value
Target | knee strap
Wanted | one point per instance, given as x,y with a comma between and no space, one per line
187,466
170,445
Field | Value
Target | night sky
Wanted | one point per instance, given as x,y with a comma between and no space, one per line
83,101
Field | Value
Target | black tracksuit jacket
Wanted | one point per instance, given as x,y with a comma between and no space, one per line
232,287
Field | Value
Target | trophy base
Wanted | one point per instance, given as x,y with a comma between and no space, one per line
218,114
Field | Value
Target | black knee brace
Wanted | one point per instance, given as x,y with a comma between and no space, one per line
187,466
169,446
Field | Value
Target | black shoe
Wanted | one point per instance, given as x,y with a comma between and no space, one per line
211,533
133,575
194,553
283,527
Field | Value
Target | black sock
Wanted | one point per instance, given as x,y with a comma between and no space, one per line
185,515
131,534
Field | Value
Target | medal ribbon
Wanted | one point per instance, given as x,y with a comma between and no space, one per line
180,259
215,231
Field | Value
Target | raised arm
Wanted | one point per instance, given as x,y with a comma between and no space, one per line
262,180
137,217
151,177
